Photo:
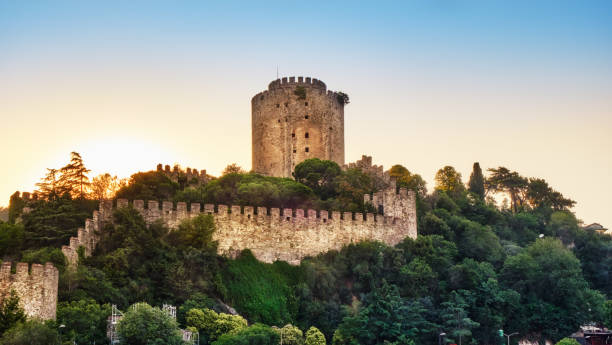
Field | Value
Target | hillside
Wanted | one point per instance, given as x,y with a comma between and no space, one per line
477,266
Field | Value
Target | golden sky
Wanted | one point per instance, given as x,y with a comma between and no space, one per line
529,88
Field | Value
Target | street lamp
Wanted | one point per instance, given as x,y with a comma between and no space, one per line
440,338
60,332
509,335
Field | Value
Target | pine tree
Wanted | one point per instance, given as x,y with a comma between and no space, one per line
10,312
476,183
455,319
49,187
74,177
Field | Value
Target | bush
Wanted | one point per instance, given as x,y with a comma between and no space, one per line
33,332
145,325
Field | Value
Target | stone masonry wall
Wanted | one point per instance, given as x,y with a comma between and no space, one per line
37,290
286,129
288,234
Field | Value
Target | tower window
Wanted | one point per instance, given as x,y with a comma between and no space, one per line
277,105
330,128
307,149
294,151
305,103
306,135
293,135
261,98
286,104
278,120
306,117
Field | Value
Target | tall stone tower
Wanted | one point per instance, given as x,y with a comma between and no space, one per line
296,119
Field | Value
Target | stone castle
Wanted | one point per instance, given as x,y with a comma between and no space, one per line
294,120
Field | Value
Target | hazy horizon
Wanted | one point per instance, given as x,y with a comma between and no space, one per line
521,85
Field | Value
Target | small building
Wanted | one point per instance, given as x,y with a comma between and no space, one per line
597,228
588,335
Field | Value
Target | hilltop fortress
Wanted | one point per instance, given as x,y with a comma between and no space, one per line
294,120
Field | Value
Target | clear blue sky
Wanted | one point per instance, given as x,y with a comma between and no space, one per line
524,84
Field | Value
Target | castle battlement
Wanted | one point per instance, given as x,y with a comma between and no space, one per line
175,172
35,286
281,87
288,234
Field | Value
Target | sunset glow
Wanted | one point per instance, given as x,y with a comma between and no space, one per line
430,85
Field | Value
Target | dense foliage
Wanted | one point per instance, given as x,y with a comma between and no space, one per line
476,267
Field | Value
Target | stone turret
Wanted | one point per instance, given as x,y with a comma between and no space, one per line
296,119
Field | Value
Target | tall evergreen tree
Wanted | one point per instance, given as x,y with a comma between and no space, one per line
49,187
476,183
74,177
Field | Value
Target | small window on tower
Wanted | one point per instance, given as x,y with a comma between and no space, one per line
286,104
294,151
305,103
293,135
277,105
278,120
330,128
306,135
261,98
306,117
307,149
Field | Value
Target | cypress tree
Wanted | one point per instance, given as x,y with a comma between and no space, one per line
476,183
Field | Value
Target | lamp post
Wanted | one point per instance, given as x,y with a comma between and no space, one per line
60,332
509,335
440,338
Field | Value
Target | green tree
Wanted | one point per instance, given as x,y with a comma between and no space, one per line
31,332
319,175
146,325
212,325
73,178
257,334
16,205
291,335
49,187
152,185
476,184
85,320
539,194
314,337
608,313
52,223
105,186
10,312
567,341
455,319
11,238
555,298
408,180
384,316
510,182
195,232
449,180
232,169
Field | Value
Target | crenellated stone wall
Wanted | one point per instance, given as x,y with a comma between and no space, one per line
188,174
37,289
292,234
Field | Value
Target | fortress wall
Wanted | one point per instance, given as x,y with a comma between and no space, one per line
292,234
37,289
